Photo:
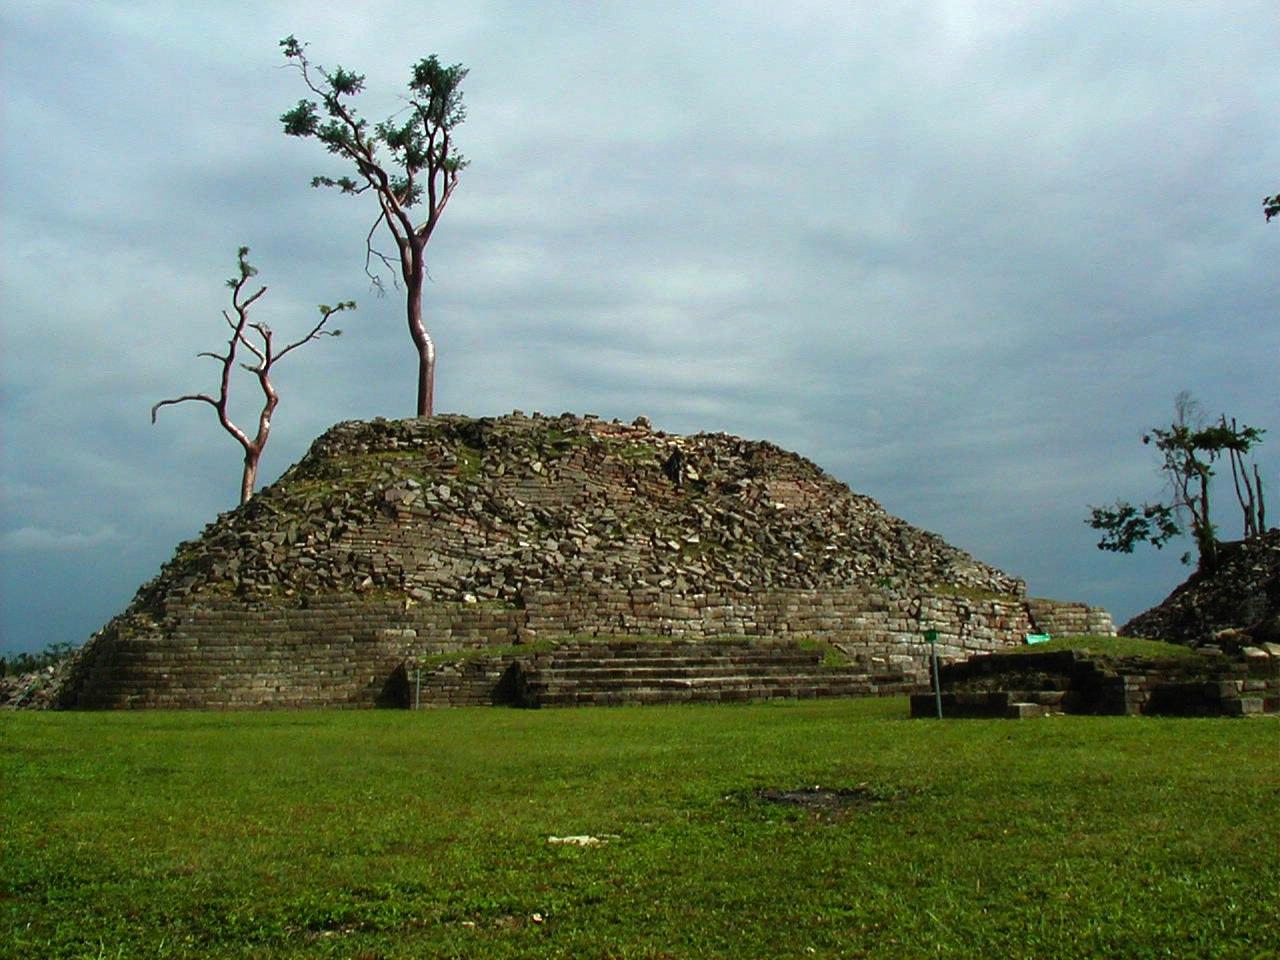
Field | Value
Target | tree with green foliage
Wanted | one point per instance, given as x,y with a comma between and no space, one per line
266,356
1189,449
423,168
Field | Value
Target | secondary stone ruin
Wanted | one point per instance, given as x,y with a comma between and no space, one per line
443,550
1035,684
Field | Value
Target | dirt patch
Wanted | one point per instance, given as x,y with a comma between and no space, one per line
828,800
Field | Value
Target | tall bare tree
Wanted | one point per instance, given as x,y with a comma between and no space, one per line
265,357
424,167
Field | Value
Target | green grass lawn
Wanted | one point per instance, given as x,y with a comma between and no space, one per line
398,834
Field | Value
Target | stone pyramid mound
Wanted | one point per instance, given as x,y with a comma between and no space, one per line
414,541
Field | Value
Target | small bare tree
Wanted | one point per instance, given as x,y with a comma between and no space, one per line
1249,490
424,167
1190,450
266,356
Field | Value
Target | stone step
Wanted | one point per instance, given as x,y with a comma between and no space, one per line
1025,711
599,652
561,678
549,681
718,693
724,688
1046,698
639,671
607,669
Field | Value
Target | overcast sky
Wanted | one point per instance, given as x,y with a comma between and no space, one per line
961,254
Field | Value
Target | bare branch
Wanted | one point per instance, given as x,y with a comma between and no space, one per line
251,346
176,400
248,303
318,330
370,251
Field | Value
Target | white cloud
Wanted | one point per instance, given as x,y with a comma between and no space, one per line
39,539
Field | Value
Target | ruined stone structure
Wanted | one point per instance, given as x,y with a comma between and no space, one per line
1233,606
447,545
1020,685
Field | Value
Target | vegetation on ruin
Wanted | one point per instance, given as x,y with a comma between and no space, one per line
1191,449
470,461
412,180
1108,646
631,452
831,656
496,652
563,441
18,662
392,834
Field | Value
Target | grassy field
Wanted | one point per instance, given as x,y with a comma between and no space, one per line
397,834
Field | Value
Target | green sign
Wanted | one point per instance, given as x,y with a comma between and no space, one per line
931,636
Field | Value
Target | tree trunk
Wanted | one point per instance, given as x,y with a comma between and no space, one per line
1262,504
426,376
418,332
1206,538
250,476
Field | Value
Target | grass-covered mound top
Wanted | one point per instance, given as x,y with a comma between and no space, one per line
456,508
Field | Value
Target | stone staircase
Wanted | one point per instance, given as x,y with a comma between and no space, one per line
628,671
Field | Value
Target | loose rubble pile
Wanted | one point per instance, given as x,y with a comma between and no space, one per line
1236,606
496,507
35,689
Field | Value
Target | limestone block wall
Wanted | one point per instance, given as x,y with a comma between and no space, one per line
870,625
219,653
345,649
479,682
350,649
1069,619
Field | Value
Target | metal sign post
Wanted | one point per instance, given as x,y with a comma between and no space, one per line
932,637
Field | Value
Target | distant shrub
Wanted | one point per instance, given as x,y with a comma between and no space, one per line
13,664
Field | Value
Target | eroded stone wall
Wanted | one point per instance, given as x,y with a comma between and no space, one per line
349,649
334,650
